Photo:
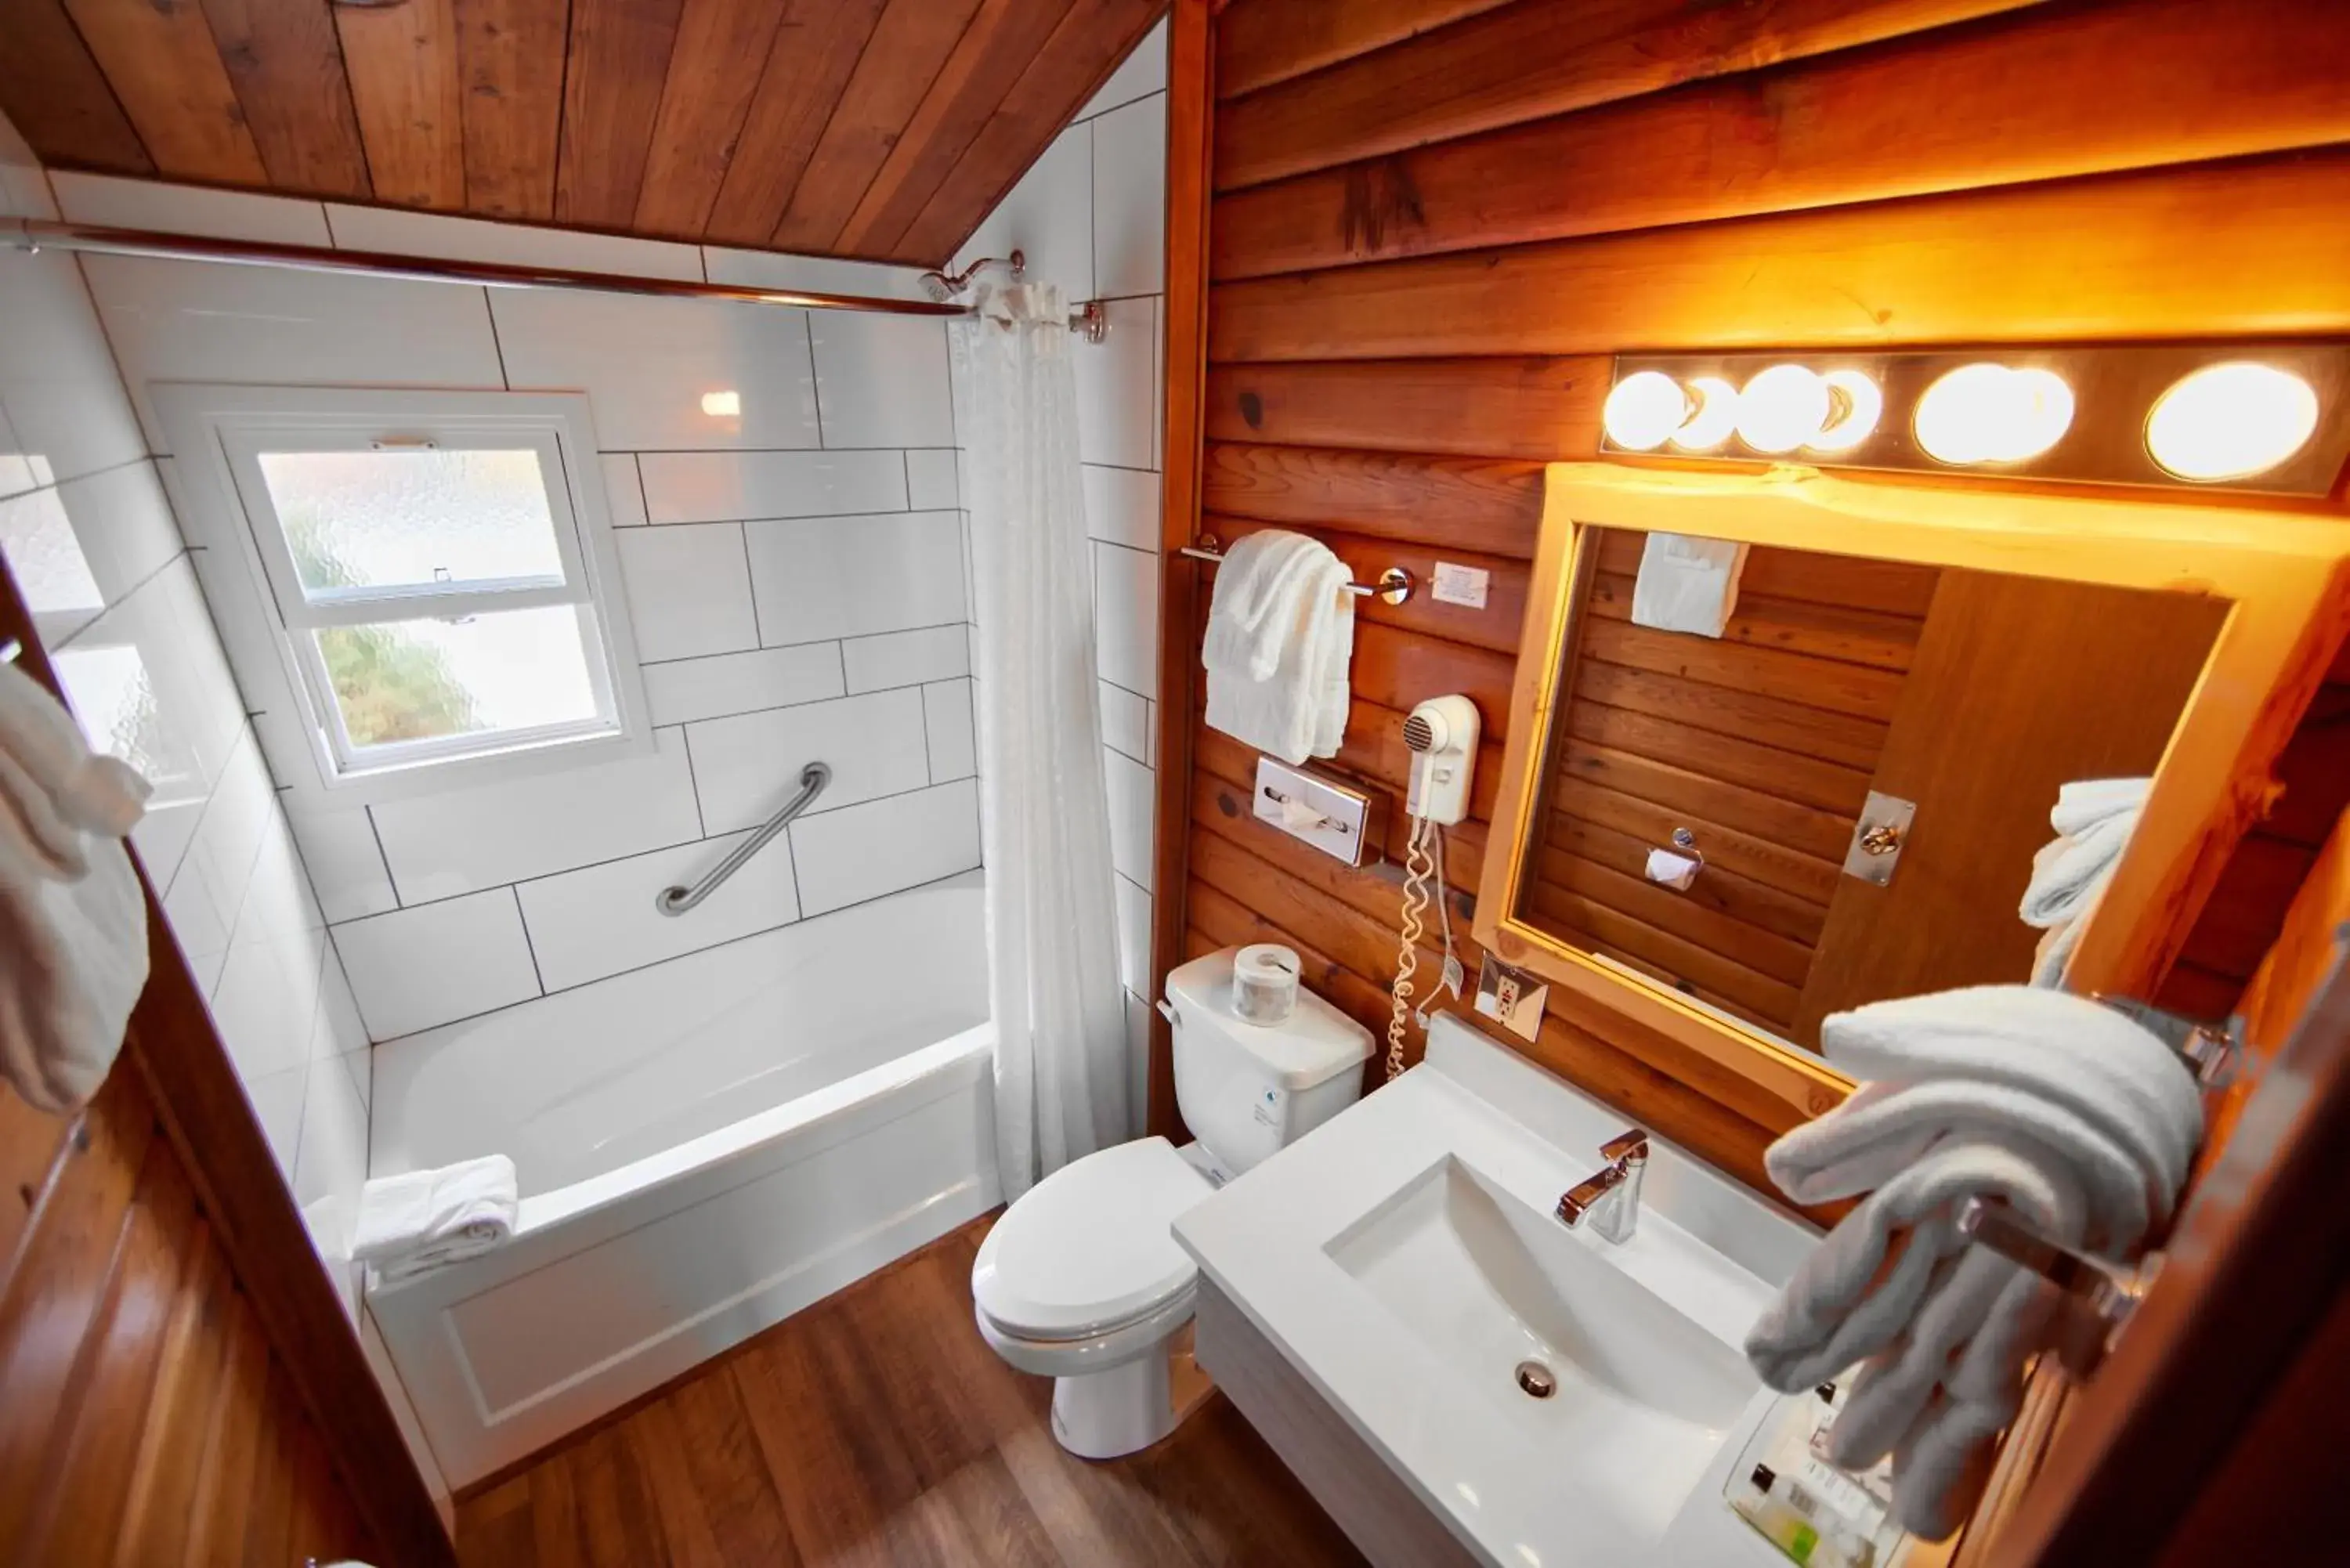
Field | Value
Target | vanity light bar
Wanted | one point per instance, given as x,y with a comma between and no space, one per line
2272,417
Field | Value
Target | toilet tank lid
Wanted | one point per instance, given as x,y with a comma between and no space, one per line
1315,1043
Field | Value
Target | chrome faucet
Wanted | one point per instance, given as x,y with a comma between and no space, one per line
1611,1199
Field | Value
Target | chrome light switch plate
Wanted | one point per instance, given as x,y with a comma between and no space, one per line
1511,997
1878,838
1337,818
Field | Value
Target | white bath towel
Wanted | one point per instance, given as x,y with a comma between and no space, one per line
73,919
1686,584
1279,643
2093,819
2070,1113
411,1224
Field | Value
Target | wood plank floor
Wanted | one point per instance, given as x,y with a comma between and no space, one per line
878,1428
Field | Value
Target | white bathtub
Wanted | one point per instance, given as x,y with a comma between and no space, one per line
704,1148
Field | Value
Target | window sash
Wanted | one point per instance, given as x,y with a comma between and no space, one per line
243,445
352,760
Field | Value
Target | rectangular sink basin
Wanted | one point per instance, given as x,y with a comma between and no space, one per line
1641,1397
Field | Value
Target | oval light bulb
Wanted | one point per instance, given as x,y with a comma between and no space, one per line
1782,408
1644,411
1857,405
1991,413
2230,421
1716,414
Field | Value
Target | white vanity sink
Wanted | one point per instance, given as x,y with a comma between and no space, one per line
1405,1260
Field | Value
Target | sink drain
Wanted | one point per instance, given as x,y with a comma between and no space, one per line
1537,1379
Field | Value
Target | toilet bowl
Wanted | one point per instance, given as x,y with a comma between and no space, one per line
1082,1279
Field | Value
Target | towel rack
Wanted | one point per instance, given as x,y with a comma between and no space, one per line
1394,586
678,900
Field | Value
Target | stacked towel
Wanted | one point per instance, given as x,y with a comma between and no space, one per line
1279,638
2093,819
73,920
409,1225
2078,1119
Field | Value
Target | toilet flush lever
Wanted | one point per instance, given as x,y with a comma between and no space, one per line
1167,1011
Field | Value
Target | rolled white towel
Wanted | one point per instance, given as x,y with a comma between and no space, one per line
411,1224
2083,803
2073,1115
2073,1051
1847,1303
2093,819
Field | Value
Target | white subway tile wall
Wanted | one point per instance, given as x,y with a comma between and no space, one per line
787,489
1090,214
92,539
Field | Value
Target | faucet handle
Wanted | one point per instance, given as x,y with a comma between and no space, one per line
1631,1147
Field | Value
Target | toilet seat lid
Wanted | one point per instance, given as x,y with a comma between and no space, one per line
1090,1248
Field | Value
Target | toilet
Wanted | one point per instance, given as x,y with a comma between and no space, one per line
1082,1281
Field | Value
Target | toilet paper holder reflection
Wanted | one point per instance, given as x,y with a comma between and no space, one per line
1677,867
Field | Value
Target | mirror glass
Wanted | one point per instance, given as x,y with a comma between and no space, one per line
1832,788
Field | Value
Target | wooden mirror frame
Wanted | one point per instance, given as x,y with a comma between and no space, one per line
2285,573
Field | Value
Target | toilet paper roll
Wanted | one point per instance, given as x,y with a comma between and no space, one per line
1676,871
1264,983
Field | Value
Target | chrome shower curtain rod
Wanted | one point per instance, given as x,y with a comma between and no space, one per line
34,234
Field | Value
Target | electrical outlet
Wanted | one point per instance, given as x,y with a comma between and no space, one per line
1511,997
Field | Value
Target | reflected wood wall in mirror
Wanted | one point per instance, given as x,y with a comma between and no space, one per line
1680,826
1972,695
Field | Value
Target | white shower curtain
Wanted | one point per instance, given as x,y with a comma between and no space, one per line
1052,924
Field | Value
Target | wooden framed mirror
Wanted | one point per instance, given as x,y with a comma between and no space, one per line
1852,768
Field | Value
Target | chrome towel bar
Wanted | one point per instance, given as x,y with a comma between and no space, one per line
1395,584
678,900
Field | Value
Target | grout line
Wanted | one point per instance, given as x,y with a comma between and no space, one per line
751,587
694,784
490,312
384,859
515,892
1127,103
637,968
132,592
812,642
816,390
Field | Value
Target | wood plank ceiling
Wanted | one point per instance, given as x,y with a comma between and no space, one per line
881,129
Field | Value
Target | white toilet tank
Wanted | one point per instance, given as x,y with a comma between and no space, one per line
1247,1089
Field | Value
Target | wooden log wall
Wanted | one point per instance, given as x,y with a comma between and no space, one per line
1767,741
171,1353
144,1416
1427,224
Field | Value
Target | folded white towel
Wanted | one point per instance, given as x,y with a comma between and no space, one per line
73,919
1686,584
411,1224
2087,1058
2070,1113
1279,642
2093,819
2083,803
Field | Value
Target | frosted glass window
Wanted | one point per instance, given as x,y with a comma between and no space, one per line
420,681
377,520
440,572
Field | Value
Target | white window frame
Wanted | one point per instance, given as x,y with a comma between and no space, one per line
216,434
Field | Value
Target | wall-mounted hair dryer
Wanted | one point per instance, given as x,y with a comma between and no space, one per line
1442,735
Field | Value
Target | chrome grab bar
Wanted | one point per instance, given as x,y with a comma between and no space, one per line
678,900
